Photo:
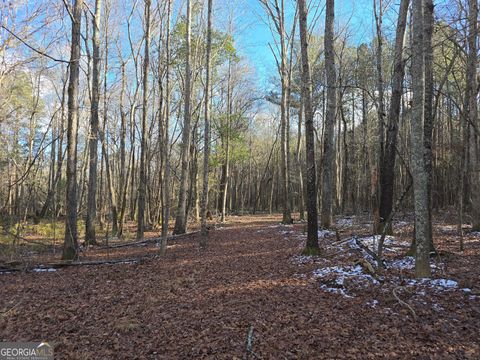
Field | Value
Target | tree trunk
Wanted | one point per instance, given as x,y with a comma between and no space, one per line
181,219
90,237
328,146
142,184
472,93
420,180
387,169
206,146
70,246
166,157
312,212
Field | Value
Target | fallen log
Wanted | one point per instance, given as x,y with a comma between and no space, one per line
62,264
147,241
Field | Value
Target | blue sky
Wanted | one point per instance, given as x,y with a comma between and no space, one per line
253,34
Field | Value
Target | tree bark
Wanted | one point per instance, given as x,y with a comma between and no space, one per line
387,170
328,146
206,146
142,184
312,212
181,219
90,237
166,157
420,180
70,245
472,93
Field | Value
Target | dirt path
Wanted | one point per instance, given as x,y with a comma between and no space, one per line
197,304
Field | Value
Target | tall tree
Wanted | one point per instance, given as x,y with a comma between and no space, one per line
142,184
379,140
206,146
166,160
420,180
90,237
472,93
328,161
70,245
276,12
387,169
182,216
312,212
428,122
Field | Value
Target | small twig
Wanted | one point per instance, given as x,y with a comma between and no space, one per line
4,313
404,303
250,345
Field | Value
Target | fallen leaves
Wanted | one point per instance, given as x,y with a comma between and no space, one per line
201,304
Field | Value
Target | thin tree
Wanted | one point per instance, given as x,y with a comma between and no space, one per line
181,219
142,184
420,180
70,246
472,93
387,169
276,12
90,237
166,159
206,146
328,147
312,212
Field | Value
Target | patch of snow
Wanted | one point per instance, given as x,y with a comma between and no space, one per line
372,242
406,263
302,259
445,283
372,303
438,284
466,290
338,275
44,270
335,290
128,262
344,222
400,224
325,233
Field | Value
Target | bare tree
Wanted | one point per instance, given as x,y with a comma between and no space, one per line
387,169
142,184
70,246
472,93
420,180
90,237
181,219
312,212
206,146
166,158
328,162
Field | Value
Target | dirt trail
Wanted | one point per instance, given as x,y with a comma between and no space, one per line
202,304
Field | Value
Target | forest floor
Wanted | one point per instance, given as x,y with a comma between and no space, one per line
251,294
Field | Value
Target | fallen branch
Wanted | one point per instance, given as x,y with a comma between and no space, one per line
147,241
250,345
5,312
59,265
404,303
389,220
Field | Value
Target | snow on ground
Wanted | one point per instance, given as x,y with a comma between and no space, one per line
404,263
390,243
325,233
344,221
336,278
44,269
